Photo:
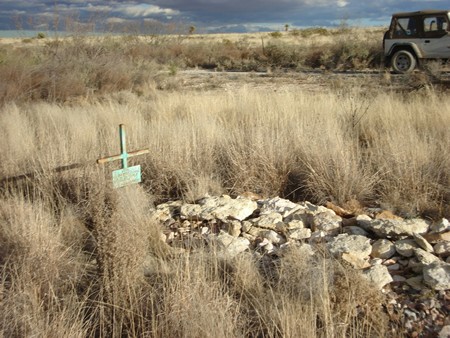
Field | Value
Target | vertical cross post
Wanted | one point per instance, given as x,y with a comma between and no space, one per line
126,175
123,146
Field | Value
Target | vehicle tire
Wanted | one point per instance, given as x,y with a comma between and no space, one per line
403,62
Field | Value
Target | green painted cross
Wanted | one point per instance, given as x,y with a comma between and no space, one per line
126,175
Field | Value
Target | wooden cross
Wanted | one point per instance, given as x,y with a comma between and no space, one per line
126,175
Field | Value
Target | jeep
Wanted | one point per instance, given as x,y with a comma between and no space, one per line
415,37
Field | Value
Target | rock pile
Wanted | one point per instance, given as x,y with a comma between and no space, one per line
403,257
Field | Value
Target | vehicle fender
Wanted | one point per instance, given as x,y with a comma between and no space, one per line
402,45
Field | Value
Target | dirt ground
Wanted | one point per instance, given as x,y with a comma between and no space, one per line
197,79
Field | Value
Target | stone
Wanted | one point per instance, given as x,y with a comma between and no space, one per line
437,275
272,237
442,226
268,221
356,245
278,205
364,221
378,275
295,224
355,230
416,282
246,226
190,211
326,221
398,278
234,228
442,249
383,248
355,261
444,332
230,245
425,257
224,208
318,236
437,237
405,247
423,243
396,228
299,234
256,231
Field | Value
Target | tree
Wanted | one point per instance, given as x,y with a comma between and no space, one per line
286,27
191,29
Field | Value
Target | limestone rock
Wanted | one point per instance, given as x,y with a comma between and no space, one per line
442,226
190,211
358,246
273,237
425,257
268,221
355,230
383,248
299,234
442,249
355,261
437,275
278,205
364,221
405,247
230,245
391,227
327,221
423,243
234,228
224,208
378,275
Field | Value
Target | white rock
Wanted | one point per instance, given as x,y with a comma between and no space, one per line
299,234
277,205
405,247
358,246
234,228
445,332
364,221
442,249
268,221
355,230
224,208
295,224
392,227
378,275
425,257
230,245
273,237
423,243
442,226
437,275
327,221
190,211
383,248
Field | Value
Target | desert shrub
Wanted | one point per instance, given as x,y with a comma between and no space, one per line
276,35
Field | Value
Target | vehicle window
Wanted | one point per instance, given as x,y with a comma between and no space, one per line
405,27
435,25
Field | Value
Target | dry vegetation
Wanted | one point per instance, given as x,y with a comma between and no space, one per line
73,251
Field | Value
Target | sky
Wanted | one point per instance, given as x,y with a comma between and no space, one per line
162,16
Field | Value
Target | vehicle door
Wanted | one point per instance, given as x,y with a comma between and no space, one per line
435,42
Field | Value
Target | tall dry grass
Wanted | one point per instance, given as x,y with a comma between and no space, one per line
80,259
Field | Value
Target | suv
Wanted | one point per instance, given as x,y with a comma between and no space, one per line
416,36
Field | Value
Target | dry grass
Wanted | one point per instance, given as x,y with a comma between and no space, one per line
79,259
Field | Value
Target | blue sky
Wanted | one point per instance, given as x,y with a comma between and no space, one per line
205,15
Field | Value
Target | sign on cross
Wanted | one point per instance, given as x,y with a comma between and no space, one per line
126,175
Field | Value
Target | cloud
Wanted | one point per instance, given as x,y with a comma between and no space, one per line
214,14
144,10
